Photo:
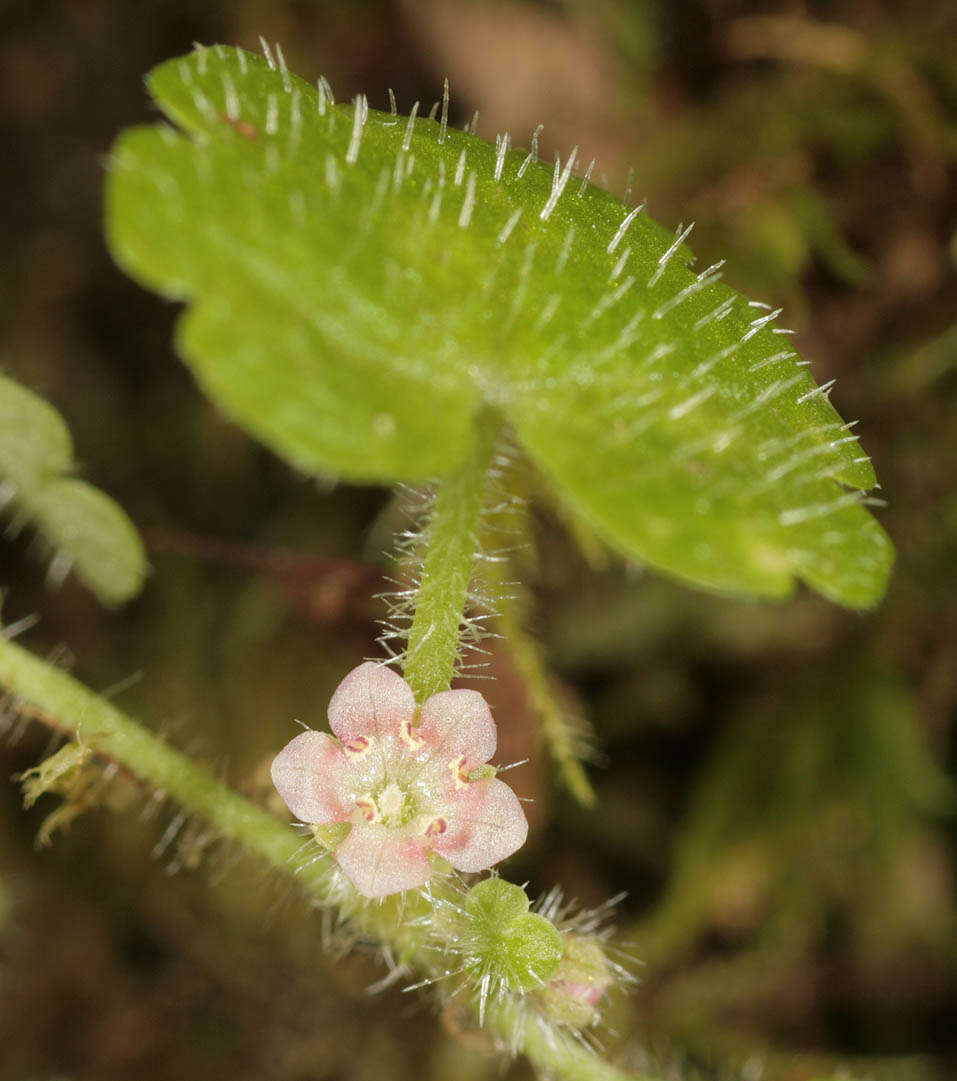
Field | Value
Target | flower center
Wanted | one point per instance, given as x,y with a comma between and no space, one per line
389,804
393,805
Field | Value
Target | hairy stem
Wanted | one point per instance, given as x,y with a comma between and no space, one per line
452,537
558,1054
55,698
96,724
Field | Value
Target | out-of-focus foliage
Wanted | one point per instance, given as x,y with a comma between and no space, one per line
814,803
796,749
87,530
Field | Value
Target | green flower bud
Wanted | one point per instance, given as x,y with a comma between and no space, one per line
517,948
572,996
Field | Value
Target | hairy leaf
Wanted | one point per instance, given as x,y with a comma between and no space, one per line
521,948
360,284
35,442
90,532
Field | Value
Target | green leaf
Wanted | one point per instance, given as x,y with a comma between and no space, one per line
494,903
521,948
88,529
361,284
34,440
95,534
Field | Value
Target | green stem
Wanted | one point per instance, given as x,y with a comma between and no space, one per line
452,536
563,727
59,701
63,703
555,1053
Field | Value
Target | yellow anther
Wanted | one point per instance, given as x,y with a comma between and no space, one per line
460,775
367,808
409,736
436,827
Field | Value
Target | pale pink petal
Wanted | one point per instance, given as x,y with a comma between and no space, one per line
378,860
457,723
308,773
486,824
372,700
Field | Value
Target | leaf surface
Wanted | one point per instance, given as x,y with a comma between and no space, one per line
361,284
90,532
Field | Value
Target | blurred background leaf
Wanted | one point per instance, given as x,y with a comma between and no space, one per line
87,531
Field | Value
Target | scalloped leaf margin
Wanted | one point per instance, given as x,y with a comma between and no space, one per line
360,284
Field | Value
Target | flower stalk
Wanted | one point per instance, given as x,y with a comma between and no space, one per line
452,538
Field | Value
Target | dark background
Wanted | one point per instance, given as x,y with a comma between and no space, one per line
773,785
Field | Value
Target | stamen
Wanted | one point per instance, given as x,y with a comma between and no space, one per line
358,747
436,827
409,736
460,775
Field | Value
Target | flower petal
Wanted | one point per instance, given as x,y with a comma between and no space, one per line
459,723
372,700
308,773
378,860
487,824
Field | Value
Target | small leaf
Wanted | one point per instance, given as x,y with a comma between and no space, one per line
494,903
34,440
82,780
94,533
360,285
89,531
532,947
53,773
520,948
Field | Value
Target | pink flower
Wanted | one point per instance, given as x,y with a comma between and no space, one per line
403,782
